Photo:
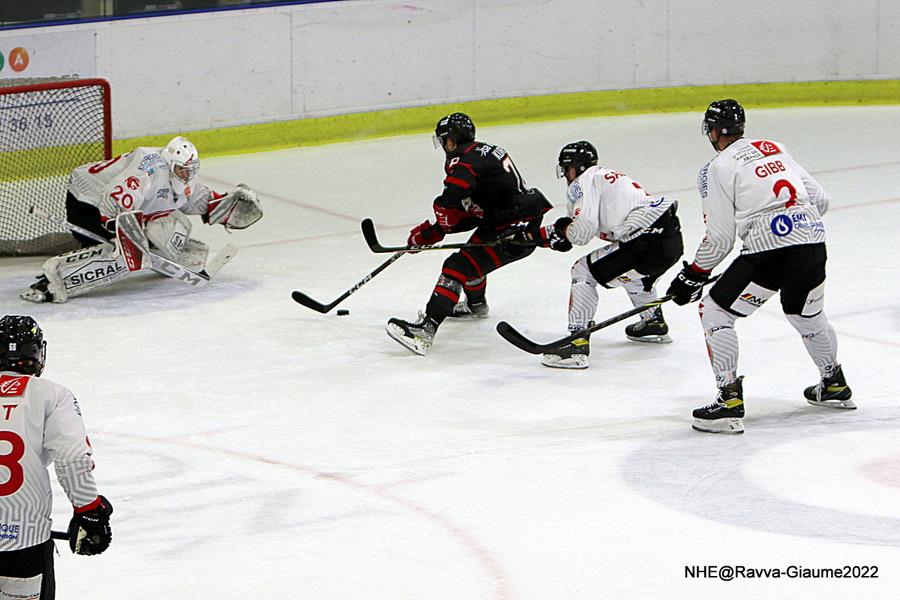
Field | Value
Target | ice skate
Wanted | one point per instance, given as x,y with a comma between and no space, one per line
466,310
726,414
38,291
653,330
831,391
416,336
573,355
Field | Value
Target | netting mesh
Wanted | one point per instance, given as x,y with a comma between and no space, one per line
46,130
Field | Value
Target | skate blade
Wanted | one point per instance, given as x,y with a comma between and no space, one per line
845,404
469,316
651,339
554,362
732,426
35,296
412,344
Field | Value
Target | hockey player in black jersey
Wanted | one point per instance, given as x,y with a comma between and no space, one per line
484,192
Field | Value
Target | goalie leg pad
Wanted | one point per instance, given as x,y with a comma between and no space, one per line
81,271
169,234
193,255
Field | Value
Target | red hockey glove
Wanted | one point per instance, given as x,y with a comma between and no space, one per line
448,217
425,234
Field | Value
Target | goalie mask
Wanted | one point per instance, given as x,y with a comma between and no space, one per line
22,345
184,164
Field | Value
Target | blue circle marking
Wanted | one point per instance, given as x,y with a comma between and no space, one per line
782,225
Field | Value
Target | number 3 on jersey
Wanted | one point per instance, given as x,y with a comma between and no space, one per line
784,184
10,460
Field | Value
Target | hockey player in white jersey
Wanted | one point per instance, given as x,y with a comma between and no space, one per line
155,188
755,189
645,238
40,423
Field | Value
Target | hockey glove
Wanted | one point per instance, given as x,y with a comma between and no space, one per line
89,531
554,236
425,234
239,209
688,285
449,217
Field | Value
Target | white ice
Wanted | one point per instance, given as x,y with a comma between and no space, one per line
253,448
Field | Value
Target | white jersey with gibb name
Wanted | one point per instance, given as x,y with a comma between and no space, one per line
137,181
610,205
40,423
757,189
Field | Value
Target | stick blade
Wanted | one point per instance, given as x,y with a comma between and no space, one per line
220,260
301,298
368,229
509,333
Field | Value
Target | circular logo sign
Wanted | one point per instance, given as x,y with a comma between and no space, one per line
1,61
782,225
18,59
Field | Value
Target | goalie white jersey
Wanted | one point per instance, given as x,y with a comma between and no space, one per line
136,181
610,205
757,189
40,423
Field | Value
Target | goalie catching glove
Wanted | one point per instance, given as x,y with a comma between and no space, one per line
238,209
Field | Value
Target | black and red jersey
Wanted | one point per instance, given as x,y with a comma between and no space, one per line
483,182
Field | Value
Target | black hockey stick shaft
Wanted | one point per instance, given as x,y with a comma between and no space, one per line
59,535
308,302
511,335
368,229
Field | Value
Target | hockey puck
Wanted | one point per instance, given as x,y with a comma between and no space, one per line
343,312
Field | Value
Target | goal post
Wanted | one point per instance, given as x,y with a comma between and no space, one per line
46,130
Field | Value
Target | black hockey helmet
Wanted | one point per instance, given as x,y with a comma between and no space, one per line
726,116
22,345
457,126
580,155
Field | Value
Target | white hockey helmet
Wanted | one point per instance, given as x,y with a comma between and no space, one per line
183,159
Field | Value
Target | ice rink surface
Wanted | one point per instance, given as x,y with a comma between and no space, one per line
253,448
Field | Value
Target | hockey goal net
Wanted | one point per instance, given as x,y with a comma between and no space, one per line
46,130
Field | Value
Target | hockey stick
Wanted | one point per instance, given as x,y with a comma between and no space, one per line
368,230
324,308
59,535
160,265
511,335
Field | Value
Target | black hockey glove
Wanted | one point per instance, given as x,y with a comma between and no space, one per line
688,285
554,236
89,531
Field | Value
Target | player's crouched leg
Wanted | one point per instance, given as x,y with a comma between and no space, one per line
28,573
